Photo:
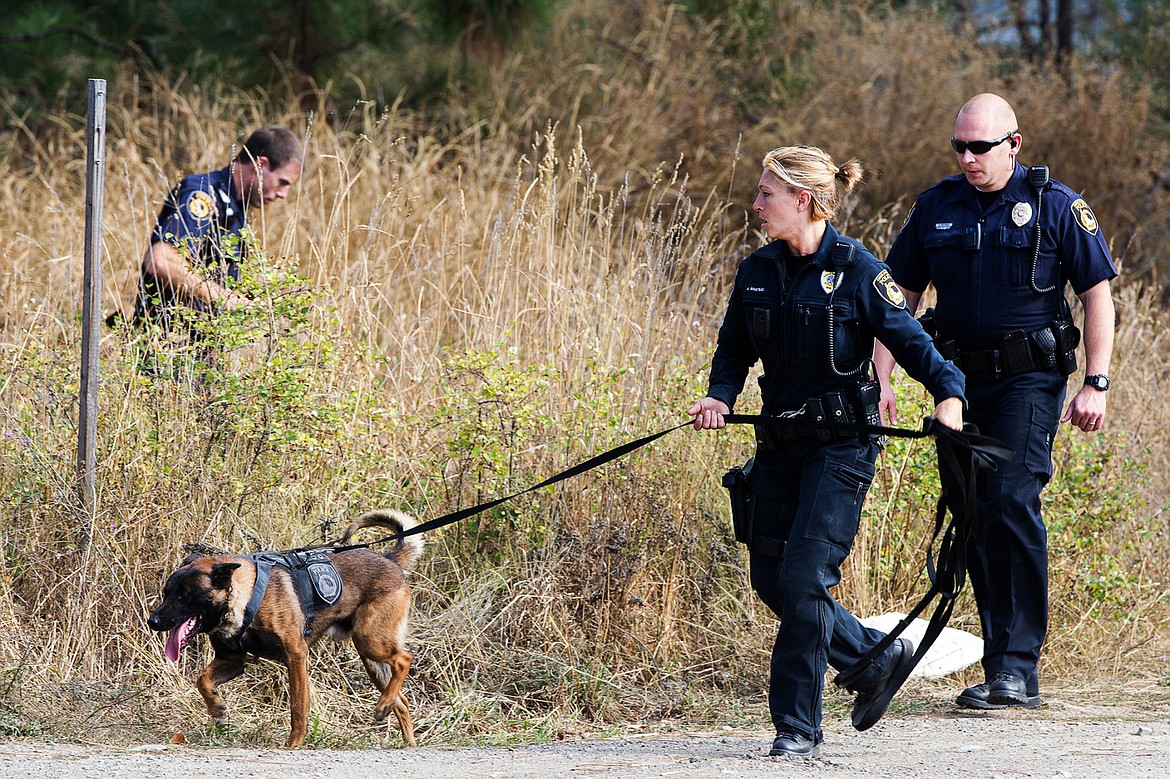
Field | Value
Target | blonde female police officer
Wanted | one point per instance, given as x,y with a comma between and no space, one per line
809,305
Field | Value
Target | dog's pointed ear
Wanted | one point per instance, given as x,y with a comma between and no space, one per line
221,574
190,559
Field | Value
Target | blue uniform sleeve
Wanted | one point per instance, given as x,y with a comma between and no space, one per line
189,215
734,353
1084,256
883,308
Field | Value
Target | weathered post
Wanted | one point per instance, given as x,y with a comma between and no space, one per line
91,308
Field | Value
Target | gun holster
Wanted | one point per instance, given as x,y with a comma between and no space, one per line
738,482
1067,338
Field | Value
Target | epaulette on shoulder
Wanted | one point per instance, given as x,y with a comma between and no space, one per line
942,185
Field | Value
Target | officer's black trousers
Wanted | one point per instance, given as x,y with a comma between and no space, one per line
1008,554
810,496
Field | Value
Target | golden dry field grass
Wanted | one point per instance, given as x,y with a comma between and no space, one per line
462,300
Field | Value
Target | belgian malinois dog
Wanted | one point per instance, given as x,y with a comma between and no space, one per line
212,595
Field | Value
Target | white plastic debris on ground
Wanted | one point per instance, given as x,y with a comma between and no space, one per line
952,651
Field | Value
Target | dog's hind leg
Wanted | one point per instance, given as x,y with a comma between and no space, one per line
379,635
222,669
388,678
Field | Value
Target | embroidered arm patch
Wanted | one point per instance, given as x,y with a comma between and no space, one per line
889,290
200,205
1085,216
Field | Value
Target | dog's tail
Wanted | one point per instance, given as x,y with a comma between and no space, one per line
407,551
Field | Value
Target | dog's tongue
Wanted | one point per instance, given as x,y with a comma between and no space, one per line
178,639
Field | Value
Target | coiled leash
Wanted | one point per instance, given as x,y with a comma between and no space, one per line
961,456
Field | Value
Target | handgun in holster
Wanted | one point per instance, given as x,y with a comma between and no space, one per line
738,482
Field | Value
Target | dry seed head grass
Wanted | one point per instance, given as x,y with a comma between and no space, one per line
597,251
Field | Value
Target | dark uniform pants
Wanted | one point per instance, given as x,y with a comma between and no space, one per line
809,495
1008,554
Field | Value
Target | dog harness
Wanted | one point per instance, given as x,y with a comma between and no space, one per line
315,579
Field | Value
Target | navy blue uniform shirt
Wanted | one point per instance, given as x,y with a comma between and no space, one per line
986,292
199,217
784,321
200,213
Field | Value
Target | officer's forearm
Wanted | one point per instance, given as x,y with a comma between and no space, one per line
166,266
883,361
1099,319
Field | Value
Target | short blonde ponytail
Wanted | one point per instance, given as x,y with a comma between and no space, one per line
812,170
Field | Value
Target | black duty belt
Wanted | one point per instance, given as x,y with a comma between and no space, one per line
1019,352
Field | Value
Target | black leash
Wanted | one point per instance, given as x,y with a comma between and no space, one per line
732,419
961,456
580,468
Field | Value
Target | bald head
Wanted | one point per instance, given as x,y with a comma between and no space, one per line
989,118
990,110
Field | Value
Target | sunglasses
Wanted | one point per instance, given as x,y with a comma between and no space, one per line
978,147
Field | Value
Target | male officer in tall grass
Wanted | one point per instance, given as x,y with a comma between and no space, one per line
199,240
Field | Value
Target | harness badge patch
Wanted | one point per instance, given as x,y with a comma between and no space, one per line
1085,217
326,581
200,205
888,289
830,280
1021,214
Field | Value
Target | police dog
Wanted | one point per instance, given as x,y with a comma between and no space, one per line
210,595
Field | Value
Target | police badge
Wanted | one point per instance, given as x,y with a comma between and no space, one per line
1021,214
830,280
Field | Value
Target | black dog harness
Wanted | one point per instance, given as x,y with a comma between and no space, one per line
315,580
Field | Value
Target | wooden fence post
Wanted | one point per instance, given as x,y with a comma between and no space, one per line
91,316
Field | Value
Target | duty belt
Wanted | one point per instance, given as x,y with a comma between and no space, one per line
802,423
1020,352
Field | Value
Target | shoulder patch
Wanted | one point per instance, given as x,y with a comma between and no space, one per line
909,214
1085,217
200,205
889,290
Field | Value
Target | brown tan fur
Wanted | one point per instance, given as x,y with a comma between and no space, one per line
372,611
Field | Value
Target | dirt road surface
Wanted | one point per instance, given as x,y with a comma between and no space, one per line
996,745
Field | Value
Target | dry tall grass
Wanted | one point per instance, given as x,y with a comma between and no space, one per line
528,278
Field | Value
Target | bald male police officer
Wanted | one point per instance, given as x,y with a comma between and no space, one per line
1000,242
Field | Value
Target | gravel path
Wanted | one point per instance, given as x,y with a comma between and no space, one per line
996,745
